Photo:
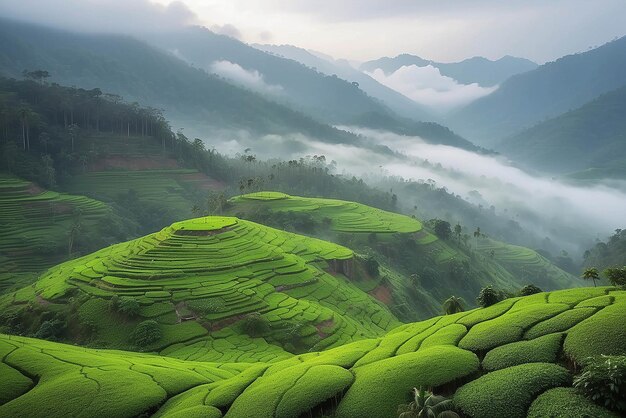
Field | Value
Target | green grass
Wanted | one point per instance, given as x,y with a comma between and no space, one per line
344,216
227,374
509,392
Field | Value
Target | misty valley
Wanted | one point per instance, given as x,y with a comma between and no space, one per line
312,209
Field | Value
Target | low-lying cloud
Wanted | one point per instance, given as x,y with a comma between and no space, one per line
251,79
427,86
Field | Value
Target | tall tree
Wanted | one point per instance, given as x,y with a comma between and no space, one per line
591,274
453,305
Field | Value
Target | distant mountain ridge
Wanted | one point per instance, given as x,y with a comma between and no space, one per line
546,92
592,137
483,71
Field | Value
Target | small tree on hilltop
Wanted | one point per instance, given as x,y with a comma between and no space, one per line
453,305
616,275
529,289
488,296
591,274
147,332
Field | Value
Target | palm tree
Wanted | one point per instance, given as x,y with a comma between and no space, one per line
591,274
427,405
453,305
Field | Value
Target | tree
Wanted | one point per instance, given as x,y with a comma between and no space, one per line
147,332
488,296
72,130
591,274
458,230
76,226
616,275
529,289
453,305
427,405
603,380
25,115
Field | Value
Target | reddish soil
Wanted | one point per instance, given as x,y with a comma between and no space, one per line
202,181
42,301
33,189
133,163
382,293
218,325
54,208
324,324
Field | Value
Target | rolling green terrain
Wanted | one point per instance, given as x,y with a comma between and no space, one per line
214,286
404,248
505,360
36,224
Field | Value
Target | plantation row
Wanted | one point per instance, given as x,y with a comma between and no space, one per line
203,278
36,224
504,360
344,216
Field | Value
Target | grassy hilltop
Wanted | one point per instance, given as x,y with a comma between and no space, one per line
509,359
218,288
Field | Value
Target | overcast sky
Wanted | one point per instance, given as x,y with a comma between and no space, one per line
444,30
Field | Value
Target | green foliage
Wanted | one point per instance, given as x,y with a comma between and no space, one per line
602,333
146,333
453,305
591,274
616,275
603,380
51,329
529,289
509,392
127,305
566,403
489,296
561,322
255,324
426,404
543,349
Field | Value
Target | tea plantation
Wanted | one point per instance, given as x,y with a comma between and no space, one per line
216,289
513,359
35,224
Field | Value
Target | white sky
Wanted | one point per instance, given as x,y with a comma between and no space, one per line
443,30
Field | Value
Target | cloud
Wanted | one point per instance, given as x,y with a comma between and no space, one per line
251,79
117,16
228,30
426,85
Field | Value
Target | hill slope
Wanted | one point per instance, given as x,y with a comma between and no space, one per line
479,70
138,72
219,288
592,137
548,91
497,361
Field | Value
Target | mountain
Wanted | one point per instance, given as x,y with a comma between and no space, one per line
546,92
397,102
591,138
122,65
329,98
483,71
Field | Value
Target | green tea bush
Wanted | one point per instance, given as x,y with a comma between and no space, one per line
561,322
603,380
603,333
566,403
146,333
489,296
544,349
381,386
509,392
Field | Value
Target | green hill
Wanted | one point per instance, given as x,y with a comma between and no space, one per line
36,224
219,288
503,360
590,140
418,270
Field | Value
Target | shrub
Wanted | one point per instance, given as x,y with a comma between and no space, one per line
147,332
540,350
51,329
372,266
616,275
566,403
426,404
529,289
509,392
603,380
489,296
125,305
255,325
561,322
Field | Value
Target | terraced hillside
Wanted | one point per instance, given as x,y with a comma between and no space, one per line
218,288
35,224
511,359
343,216
405,249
